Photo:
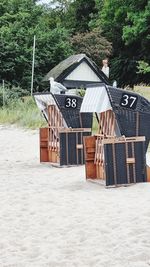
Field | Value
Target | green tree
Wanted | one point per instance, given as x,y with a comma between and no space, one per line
137,30
143,67
77,14
125,24
93,44
20,20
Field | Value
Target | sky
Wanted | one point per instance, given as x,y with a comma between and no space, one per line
44,1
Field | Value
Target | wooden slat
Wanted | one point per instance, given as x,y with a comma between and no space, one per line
89,152
99,157
79,146
64,130
114,164
127,165
133,155
44,145
130,160
107,123
55,123
148,173
124,139
67,158
81,150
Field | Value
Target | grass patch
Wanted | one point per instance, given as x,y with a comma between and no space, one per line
23,113
143,91
95,125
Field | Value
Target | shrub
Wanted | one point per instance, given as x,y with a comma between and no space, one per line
9,94
22,111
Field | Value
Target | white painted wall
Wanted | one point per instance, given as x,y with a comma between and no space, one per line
83,73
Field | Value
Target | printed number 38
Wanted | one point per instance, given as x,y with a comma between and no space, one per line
71,103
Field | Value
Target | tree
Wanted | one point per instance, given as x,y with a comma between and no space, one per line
76,17
143,67
20,20
93,44
77,14
137,29
125,24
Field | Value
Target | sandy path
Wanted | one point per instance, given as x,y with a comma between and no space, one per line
52,217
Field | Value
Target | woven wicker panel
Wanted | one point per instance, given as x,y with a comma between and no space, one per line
144,126
131,122
127,121
115,95
72,116
70,153
117,169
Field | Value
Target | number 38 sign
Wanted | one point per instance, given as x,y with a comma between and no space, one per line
71,102
128,101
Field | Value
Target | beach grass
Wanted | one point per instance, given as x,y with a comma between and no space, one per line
142,90
22,112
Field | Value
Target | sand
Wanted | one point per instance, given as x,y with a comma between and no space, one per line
53,217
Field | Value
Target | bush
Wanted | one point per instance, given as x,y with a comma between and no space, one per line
22,111
8,95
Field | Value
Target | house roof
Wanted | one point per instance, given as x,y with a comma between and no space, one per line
65,67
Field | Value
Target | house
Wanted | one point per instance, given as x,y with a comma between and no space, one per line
76,72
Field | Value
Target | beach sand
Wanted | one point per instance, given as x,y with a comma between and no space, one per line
53,217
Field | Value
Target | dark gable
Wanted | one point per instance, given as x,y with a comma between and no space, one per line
65,67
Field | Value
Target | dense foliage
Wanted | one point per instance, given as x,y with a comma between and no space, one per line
117,29
20,20
126,25
93,44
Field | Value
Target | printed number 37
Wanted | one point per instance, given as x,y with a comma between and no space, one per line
128,100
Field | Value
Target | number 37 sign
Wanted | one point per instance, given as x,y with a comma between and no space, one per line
128,101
